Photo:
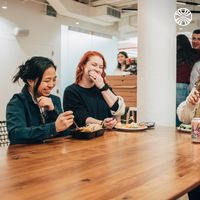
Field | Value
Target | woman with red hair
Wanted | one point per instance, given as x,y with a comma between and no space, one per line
90,98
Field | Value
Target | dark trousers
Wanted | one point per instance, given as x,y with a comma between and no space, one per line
194,194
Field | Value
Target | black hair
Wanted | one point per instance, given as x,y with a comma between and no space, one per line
197,31
33,69
185,53
126,56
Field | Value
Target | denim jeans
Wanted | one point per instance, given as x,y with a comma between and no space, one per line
182,91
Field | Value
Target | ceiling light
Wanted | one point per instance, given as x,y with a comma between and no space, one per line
77,23
4,4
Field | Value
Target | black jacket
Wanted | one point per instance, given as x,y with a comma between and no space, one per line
24,120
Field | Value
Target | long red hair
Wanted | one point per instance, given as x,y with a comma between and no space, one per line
84,60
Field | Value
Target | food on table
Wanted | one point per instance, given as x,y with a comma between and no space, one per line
90,128
131,125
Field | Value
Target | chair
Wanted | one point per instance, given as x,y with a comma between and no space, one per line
4,141
132,112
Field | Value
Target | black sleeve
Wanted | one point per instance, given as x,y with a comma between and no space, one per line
72,101
115,106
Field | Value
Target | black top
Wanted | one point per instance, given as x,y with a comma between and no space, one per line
24,121
85,102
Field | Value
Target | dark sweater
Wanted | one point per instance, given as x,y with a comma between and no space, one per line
24,121
85,102
183,73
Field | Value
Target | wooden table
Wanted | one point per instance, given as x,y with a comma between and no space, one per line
154,164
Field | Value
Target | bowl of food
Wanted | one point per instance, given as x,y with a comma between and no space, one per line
88,132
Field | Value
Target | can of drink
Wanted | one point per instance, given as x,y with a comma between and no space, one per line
195,130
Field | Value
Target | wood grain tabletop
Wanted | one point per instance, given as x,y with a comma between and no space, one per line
155,164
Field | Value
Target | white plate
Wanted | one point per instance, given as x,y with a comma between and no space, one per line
132,129
184,130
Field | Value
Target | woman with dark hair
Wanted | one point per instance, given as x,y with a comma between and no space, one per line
90,98
34,114
185,62
121,58
125,64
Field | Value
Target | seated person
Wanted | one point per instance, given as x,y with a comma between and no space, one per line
188,108
34,114
186,111
125,65
90,98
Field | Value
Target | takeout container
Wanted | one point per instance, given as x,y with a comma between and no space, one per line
87,135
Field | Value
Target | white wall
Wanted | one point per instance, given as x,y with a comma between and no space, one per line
44,39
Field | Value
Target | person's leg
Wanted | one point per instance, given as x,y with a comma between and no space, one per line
194,194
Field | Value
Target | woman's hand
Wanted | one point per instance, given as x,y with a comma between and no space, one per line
45,102
109,123
193,97
64,121
96,78
129,61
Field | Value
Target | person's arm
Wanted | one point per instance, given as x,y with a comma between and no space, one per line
186,110
20,129
62,120
109,97
117,103
91,120
107,93
118,108
195,73
107,123
52,115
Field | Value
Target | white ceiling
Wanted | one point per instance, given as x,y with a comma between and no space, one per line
95,11
126,7
120,4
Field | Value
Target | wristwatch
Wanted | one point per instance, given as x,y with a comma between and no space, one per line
105,87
